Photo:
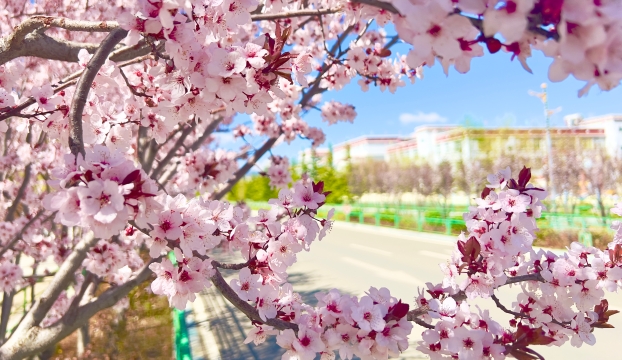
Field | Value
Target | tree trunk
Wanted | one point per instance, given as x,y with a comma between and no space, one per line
601,206
83,340
7,303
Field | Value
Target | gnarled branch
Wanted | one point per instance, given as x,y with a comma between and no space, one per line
76,142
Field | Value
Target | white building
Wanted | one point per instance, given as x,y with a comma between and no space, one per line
363,147
611,124
454,143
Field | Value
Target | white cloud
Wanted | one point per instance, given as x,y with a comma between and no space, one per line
421,117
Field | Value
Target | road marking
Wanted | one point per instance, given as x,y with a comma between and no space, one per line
435,255
394,233
384,273
370,249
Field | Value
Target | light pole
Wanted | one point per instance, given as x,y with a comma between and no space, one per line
549,144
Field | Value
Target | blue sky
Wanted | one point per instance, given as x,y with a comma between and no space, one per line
494,93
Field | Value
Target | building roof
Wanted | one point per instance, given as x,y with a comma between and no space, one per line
371,139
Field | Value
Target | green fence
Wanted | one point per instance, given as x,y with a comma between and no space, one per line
431,219
182,339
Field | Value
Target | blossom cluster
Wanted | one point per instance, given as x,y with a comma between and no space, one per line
278,172
582,37
101,192
204,170
561,296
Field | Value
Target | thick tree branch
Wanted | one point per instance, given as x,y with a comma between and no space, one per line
379,4
42,338
76,142
244,169
29,327
45,47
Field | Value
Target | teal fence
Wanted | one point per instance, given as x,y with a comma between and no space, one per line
448,220
180,327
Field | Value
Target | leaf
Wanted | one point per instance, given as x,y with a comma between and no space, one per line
616,253
470,250
522,355
485,192
285,76
397,311
604,325
524,176
131,177
384,53
528,336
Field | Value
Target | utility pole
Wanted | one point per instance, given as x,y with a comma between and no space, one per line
549,144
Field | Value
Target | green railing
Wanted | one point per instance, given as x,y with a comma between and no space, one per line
430,219
182,339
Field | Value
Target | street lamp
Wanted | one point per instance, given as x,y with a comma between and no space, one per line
549,146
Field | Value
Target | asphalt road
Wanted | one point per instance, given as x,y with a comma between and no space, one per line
354,257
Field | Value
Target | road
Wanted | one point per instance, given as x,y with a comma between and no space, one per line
354,257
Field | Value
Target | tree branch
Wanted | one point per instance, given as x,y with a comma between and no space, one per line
292,14
244,169
208,131
171,153
10,213
238,266
19,234
521,278
76,142
379,4
506,310
21,339
42,338
246,308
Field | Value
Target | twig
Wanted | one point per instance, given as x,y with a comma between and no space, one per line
237,266
130,86
423,323
10,214
171,152
521,278
19,234
244,169
506,310
292,14
246,308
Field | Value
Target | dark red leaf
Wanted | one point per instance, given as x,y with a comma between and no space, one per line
470,250
524,177
397,311
131,177
384,53
485,192
522,355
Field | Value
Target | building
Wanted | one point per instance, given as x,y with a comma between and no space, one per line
455,143
611,124
467,144
357,149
